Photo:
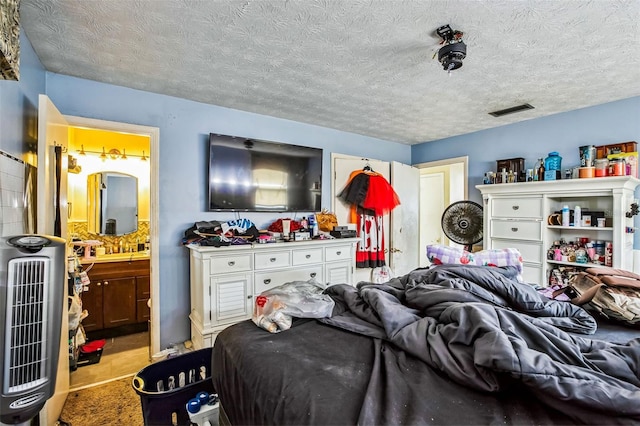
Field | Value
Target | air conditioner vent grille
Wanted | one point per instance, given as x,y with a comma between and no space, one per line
25,339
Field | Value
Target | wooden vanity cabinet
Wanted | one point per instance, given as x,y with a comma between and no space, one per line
114,296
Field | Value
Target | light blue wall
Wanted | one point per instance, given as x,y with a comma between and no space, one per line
184,128
609,123
604,124
19,104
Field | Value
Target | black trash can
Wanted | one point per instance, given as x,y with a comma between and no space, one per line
163,406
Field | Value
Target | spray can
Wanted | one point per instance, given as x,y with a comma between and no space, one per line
565,215
577,216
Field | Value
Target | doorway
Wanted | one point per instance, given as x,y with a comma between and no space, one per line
97,146
441,183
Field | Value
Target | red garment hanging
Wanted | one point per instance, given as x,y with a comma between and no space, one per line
371,196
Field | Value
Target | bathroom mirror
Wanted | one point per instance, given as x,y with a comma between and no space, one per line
112,199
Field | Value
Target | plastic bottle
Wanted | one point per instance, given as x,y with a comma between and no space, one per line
554,162
577,216
565,215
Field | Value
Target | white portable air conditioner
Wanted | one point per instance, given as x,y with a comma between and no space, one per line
32,293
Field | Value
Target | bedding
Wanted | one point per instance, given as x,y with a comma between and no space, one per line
451,344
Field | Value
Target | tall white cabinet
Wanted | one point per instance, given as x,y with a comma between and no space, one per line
516,216
225,280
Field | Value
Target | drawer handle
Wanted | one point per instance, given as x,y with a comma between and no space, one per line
308,256
338,253
250,296
515,207
273,259
231,263
106,283
267,281
514,229
312,275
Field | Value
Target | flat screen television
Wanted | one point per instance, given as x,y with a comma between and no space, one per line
263,176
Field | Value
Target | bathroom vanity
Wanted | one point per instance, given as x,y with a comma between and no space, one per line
116,298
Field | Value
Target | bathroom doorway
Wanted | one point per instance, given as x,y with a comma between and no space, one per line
130,330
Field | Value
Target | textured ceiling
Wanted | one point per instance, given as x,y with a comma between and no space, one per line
360,66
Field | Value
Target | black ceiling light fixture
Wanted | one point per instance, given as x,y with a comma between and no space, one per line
453,50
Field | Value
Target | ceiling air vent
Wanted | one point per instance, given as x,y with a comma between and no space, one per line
511,110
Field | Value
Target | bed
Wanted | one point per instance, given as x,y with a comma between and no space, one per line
414,351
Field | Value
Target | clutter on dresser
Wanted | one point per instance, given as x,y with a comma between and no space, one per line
218,234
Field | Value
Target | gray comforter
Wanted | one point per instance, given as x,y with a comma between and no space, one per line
485,330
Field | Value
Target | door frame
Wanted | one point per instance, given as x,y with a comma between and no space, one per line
448,162
154,205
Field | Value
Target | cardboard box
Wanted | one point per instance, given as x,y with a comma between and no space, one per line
516,165
603,151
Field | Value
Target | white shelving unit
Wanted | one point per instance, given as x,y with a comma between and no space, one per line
515,215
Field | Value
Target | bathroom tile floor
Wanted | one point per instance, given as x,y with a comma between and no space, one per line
121,356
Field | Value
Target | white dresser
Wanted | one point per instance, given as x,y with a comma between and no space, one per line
225,280
516,216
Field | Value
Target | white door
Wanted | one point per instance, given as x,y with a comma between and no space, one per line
53,131
342,166
404,247
52,207
432,203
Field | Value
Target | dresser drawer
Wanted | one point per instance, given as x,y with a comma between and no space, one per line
517,207
274,259
531,252
332,254
307,256
234,263
267,280
531,274
516,229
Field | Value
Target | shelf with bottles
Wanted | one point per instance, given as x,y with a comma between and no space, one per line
581,228
582,252
577,264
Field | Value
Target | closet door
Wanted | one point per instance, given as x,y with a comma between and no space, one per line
404,250
342,166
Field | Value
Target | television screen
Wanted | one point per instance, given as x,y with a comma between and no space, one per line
263,176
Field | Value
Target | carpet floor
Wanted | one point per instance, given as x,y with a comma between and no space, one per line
112,403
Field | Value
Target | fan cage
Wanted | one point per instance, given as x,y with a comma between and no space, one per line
462,223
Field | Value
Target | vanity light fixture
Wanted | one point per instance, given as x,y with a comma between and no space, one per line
112,154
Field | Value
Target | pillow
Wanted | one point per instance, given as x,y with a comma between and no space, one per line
439,254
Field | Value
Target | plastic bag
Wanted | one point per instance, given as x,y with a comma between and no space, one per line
274,308
381,274
326,220
75,311
81,337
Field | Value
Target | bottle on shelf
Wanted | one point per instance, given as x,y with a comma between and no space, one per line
503,175
541,170
565,215
577,216
554,162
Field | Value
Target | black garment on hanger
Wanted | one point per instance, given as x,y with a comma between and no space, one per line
356,190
